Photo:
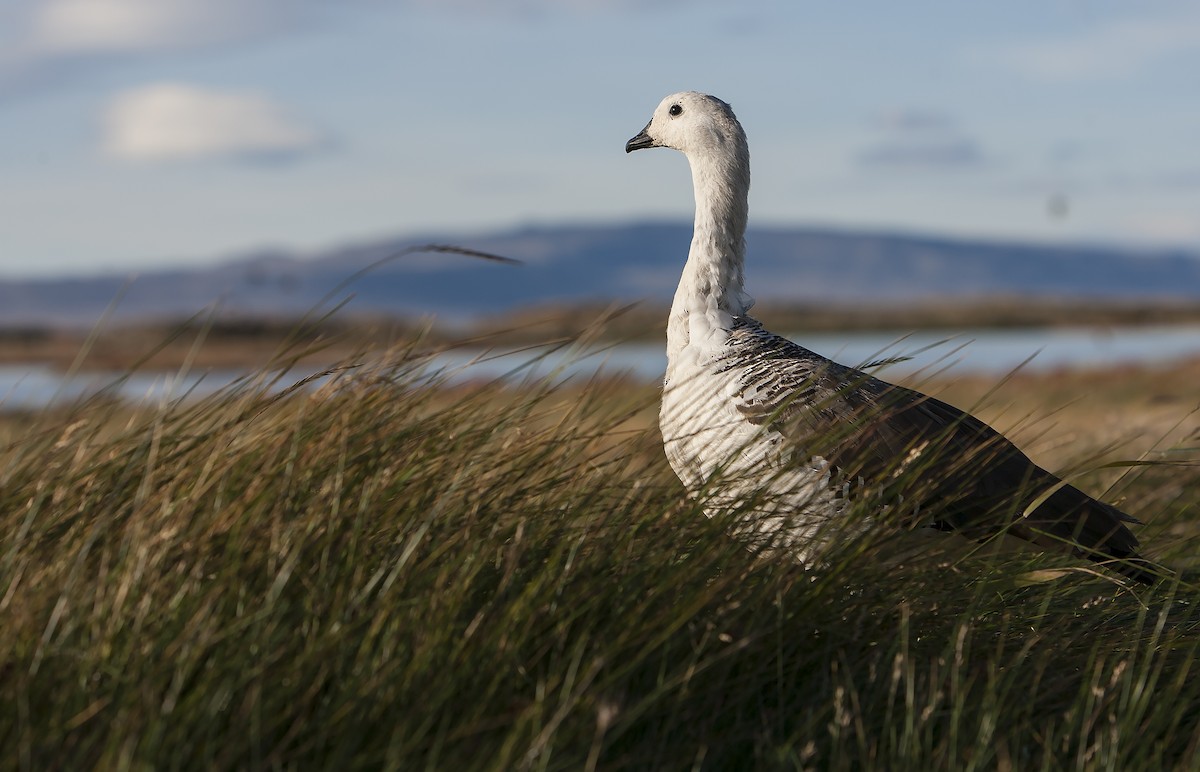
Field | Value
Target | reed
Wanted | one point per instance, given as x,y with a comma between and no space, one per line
389,567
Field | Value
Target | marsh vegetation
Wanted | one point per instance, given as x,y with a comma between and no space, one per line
392,570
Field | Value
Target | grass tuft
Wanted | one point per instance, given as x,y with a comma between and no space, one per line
399,569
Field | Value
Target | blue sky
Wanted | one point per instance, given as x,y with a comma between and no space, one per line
138,133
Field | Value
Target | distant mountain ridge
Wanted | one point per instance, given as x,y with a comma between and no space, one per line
577,263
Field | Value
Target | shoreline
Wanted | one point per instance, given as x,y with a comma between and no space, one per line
241,342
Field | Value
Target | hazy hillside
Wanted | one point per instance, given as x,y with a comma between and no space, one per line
572,263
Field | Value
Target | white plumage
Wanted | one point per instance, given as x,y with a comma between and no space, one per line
750,419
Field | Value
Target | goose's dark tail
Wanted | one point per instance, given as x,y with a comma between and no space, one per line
1137,568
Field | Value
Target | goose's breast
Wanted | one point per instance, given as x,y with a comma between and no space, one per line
704,432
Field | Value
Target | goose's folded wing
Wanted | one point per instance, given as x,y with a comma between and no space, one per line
901,443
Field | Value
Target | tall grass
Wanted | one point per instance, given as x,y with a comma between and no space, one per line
396,571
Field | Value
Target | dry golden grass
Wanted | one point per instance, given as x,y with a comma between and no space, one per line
393,572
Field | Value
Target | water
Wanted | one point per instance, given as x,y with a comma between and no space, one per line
983,351
29,386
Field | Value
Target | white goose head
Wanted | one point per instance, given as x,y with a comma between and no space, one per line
695,124
705,130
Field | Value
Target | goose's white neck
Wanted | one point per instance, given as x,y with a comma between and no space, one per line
710,291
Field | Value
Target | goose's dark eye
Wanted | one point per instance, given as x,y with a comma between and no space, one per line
675,110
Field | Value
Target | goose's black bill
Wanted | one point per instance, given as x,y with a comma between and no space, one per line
640,142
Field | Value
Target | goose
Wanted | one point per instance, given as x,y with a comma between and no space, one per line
754,422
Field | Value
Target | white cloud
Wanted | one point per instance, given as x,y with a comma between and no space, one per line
525,8
934,154
1115,48
169,122
74,27
921,140
1165,227
914,120
56,28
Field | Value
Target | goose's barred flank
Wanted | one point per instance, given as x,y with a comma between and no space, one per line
755,421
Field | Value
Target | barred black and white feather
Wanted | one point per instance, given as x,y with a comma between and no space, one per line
756,422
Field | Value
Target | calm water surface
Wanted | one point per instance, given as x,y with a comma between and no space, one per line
981,351
986,351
